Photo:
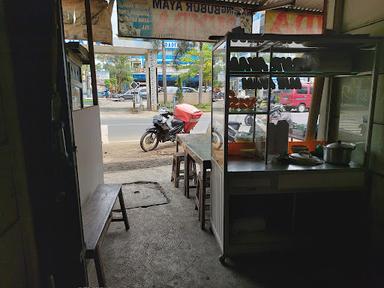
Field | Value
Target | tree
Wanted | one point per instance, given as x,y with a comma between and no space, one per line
111,84
182,48
119,68
179,92
200,63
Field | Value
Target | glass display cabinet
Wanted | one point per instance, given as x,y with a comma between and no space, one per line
261,100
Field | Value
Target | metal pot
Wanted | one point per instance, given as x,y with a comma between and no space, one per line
338,153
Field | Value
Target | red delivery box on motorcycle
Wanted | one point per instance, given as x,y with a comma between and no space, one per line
189,114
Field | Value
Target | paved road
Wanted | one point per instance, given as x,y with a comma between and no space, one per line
130,128
127,127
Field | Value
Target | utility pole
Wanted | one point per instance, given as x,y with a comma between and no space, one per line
201,73
164,71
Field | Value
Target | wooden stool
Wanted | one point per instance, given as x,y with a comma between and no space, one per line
202,197
177,173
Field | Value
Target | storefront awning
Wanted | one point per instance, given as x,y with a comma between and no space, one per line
75,20
196,20
260,5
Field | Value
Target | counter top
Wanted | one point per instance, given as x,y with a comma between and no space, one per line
196,144
248,165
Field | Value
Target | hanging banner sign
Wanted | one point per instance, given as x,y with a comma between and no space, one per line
75,27
282,22
172,19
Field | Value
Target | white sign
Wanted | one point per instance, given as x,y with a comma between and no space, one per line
175,19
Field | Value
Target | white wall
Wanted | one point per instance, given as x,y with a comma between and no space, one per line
86,124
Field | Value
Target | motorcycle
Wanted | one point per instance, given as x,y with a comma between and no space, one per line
168,124
276,114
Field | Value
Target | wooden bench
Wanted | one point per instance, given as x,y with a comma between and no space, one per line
97,215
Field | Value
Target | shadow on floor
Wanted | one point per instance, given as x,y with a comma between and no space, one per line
165,247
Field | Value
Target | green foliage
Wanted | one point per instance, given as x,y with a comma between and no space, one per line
168,105
110,83
193,56
119,68
204,107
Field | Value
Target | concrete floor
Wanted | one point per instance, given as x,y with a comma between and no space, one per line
165,247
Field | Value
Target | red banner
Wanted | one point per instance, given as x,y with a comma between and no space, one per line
282,22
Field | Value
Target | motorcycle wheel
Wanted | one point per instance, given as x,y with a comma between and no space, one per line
248,120
217,140
149,141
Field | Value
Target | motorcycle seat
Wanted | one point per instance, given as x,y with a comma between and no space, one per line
234,124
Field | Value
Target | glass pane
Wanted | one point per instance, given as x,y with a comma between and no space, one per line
248,94
284,62
249,61
290,108
76,85
86,76
76,96
354,98
246,136
218,103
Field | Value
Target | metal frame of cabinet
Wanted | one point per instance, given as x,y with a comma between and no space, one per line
267,179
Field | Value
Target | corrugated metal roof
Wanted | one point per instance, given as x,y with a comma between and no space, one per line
308,5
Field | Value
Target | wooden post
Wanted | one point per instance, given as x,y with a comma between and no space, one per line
334,112
88,19
334,19
314,109
201,68
164,71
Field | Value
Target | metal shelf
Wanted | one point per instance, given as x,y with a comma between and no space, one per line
241,178
248,73
246,113
291,73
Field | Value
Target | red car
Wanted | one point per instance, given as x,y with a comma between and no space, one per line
299,99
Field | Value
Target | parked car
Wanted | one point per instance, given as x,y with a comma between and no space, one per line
299,99
174,89
114,97
127,95
170,89
189,90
